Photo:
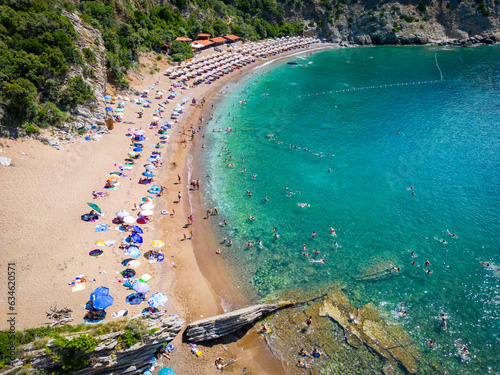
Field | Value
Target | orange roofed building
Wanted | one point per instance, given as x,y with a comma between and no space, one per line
232,38
218,41
203,37
183,39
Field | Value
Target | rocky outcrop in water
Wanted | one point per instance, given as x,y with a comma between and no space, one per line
350,341
224,324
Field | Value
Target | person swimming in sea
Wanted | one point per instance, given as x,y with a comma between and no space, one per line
322,261
333,232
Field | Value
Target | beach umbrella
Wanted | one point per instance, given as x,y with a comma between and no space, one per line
147,206
148,174
133,264
100,243
138,149
128,273
149,101
139,132
109,109
112,179
94,207
148,198
157,243
166,371
150,167
122,213
119,110
107,96
131,154
169,123
157,299
129,220
141,287
134,252
101,299
121,104
151,159
146,213
140,138
136,238
145,90
137,228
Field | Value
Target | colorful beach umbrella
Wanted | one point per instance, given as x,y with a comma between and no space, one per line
133,264
157,243
94,207
141,287
128,273
157,299
131,154
134,252
148,198
140,138
118,110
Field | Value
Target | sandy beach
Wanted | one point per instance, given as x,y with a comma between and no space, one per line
43,237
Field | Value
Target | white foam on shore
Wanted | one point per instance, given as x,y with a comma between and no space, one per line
293,54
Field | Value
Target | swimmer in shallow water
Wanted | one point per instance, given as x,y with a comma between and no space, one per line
322,261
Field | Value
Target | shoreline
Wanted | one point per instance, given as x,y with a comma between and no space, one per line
194,284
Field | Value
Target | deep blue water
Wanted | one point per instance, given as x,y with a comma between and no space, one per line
352,113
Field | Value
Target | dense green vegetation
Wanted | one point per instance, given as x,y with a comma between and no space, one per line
37,46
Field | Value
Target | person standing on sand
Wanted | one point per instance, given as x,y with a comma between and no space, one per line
179,178
179,196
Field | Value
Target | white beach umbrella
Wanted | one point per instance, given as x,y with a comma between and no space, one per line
122,213
147,206
146,213
129,220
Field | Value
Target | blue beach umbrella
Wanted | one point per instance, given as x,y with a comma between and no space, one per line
164,127
137,228
151,159
109,109
134,252
140,138
148,174
149,101
136,238
141,287
169,122
107,96
138,149
100,298
166,371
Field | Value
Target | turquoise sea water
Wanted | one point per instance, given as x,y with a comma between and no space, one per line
440,137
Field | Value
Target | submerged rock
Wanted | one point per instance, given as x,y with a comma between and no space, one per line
364,326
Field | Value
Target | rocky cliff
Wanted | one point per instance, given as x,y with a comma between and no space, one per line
458,22
93,71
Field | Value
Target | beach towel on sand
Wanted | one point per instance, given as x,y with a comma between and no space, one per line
77,287
101,227
110,242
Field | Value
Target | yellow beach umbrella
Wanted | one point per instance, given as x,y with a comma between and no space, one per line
157,243
100,243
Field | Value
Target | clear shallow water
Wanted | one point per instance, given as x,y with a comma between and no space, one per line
447,148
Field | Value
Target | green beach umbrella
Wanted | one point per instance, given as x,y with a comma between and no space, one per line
119,110
95,207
